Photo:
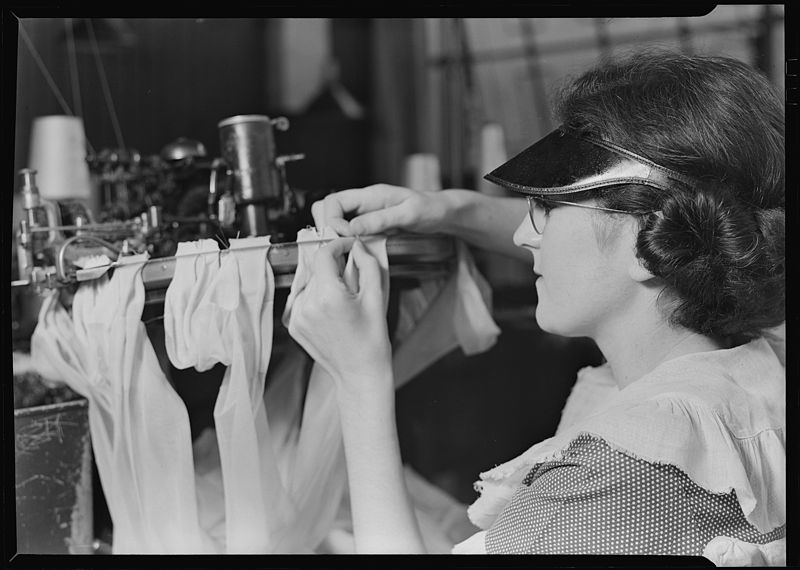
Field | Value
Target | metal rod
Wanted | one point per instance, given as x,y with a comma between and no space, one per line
155,293
412,251
102,226
60,271
282,257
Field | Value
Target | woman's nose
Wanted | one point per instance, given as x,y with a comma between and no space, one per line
525,235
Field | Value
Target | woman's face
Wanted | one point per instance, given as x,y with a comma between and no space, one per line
581,283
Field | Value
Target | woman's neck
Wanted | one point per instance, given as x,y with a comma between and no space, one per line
634,349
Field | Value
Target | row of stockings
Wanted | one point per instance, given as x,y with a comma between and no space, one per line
270,477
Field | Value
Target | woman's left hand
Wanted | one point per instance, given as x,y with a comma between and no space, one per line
339,318
341,322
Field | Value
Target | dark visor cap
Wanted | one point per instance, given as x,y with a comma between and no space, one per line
565,162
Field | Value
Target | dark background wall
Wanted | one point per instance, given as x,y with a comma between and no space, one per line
177,77
337,147
173,77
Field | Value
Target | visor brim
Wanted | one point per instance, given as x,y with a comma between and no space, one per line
564,162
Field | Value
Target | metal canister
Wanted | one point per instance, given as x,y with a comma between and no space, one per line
248,149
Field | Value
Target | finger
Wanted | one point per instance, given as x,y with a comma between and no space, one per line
380,206
334,221
360,200
379,221
350,273
339,246
341,205
317,212
297,323
329,259
338,225
370,278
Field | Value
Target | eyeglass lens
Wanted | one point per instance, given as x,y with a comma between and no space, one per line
537,214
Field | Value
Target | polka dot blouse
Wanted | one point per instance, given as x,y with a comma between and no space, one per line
596,500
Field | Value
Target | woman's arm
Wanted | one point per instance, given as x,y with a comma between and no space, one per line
344,329
487,222
383,517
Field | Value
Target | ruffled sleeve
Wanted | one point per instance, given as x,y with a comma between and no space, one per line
727,551
719,417
687,431
598,500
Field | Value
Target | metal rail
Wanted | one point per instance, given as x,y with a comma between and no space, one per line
409,255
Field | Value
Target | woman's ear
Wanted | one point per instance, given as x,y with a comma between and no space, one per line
636,269
638,272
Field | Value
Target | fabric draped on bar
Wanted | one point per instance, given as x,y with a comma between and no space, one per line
270,477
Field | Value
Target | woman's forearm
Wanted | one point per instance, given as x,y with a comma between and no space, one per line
383,516
487,222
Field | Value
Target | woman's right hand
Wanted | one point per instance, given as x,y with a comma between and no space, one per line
378,208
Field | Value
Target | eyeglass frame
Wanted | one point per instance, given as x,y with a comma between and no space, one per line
532,200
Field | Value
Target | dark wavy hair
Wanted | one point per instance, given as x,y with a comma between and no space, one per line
719,247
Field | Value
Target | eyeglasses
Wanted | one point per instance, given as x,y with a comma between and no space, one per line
538,210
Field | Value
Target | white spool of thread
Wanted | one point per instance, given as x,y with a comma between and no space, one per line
422,172
500,271
492,154
58,154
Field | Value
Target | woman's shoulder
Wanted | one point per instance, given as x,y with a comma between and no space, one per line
742,389
719,417
593,386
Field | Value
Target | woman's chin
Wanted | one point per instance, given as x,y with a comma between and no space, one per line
543,320
547,323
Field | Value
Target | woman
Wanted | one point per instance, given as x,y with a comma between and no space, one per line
655,219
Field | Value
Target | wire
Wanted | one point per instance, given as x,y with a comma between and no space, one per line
104,82
73,67
75,77
43,69
49,78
